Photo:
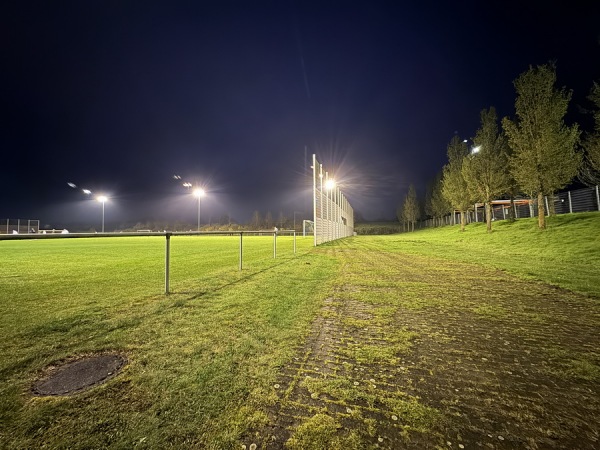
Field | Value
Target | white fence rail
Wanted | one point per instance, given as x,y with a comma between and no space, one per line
167,235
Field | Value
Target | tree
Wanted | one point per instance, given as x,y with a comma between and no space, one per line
282,220
545,156
255,222
486,172
400,216
436,204
454,186
410,208
590,173
269,220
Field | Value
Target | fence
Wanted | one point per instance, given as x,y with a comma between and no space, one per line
332,212
20,226
167,235
579,200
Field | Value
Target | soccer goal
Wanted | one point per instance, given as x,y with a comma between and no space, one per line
308,227
332,212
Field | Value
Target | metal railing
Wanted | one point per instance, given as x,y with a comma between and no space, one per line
9,226
579,200
167,235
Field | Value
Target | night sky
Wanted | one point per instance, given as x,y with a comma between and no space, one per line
119,96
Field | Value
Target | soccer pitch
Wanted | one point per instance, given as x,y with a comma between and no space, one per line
362,343
190,354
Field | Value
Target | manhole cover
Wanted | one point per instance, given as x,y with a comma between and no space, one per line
79,375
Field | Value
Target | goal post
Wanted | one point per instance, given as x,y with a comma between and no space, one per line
333,215
308,227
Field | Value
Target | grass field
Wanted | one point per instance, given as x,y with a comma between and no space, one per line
429,339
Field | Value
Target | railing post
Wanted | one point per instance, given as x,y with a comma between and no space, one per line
274,244
597,198
294,242
547,208
167,261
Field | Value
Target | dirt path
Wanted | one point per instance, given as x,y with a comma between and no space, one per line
412,352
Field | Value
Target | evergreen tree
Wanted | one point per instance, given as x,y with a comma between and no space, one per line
486,172
544,156
454,186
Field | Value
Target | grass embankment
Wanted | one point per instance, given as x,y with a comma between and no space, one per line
566,254
200,360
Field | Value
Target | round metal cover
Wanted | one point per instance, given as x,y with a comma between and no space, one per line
79,375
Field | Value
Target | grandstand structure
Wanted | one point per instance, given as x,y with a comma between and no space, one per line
332,212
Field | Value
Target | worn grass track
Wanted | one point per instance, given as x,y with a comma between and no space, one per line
413,351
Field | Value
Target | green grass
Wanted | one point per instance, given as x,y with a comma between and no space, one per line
566,254
203,360
200,360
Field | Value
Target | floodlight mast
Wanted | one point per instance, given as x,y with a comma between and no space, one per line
199,193
102,199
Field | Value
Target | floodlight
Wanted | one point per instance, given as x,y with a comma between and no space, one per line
199,193
330,183
86,191
102,199
187,185
476,149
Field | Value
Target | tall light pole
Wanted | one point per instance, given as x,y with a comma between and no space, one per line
102,199
199,193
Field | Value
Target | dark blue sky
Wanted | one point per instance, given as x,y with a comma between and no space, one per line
119,96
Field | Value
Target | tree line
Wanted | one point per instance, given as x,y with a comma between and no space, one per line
258,221
535,154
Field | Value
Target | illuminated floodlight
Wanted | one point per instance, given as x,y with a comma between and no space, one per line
187,185
476,149
199,193
73,185
330,183
176,177
87,192
102,199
